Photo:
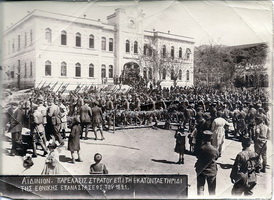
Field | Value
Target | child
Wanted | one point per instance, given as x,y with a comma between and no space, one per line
97,167
51,165
180,144
74,138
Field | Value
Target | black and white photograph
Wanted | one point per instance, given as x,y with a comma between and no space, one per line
136,99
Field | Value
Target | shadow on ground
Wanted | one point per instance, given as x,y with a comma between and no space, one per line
164,161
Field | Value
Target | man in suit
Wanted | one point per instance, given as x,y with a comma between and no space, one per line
16,125
97,120
85,118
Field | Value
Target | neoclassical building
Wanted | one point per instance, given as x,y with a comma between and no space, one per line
49,48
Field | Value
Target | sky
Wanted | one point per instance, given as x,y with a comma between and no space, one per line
208,22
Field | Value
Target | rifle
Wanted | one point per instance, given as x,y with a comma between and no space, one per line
43,85
59,87
39,84
54,86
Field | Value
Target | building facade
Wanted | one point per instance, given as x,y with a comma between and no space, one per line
49,48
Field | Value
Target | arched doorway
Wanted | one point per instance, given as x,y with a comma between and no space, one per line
131,73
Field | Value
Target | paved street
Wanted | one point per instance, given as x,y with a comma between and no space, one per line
139,151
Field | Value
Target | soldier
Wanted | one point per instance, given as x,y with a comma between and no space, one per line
63,114
262,134
97,119
109,108
243,174
85,118
38,131
54,121
206,166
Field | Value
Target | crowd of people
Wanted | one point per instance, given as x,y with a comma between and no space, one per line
205,116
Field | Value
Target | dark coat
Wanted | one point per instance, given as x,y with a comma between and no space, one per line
97,116
85,114
206,162
74,138
16,121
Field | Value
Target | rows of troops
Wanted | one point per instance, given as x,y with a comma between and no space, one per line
196,111
180,105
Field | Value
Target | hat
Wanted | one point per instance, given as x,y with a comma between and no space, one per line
96,103
97,157
14,103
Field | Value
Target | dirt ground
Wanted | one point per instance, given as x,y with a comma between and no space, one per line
139,151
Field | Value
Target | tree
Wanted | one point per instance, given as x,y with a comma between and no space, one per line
214,62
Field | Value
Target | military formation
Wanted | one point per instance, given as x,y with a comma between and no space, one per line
204,116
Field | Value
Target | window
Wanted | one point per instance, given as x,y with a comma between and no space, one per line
30,69
77,70
145,49
127,46
164,51
25,39
91,41
18,42
103,71
145,73
48,35
150,73
12,74
110,71
110,44
25,70
78,40
91,70
188,52
30,36
63,38
172,75
48,68
103,47
187,75
150,51
180,52
172,52
135,47
164,74
63,69
180,74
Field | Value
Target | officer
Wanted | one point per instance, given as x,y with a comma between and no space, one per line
206,166
54,121
243,174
